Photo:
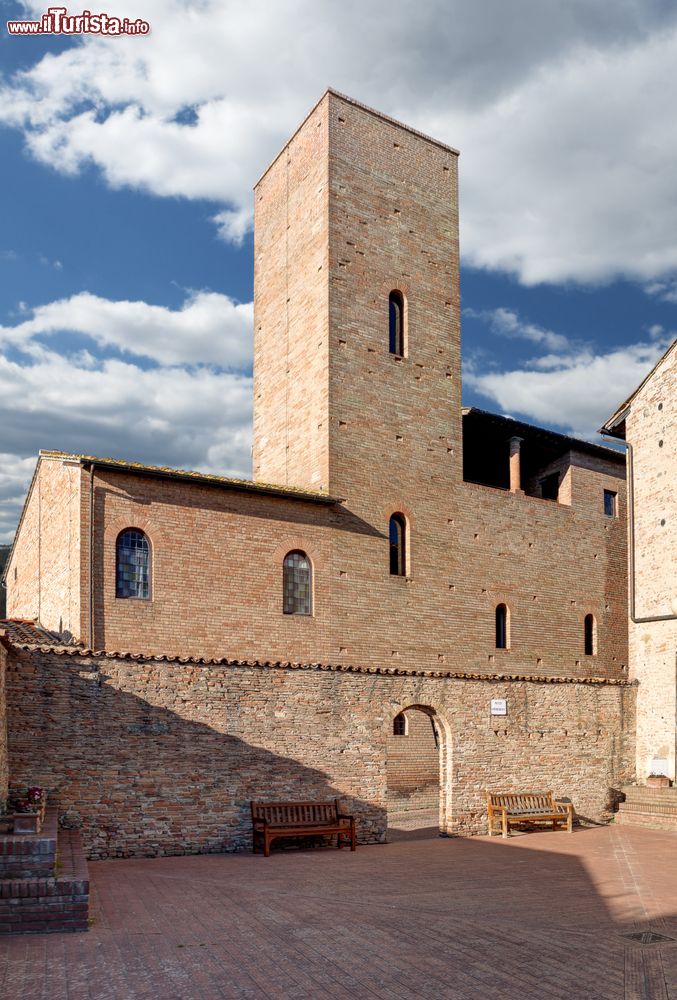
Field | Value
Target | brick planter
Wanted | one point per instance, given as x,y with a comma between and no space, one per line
658,781
33,899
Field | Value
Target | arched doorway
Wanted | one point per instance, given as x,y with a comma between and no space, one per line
417,770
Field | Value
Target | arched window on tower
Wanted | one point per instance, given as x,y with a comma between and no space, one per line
397,533
502,627
297,584
396,322
590,635
132,564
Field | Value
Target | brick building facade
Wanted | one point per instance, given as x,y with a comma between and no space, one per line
647,422
443,557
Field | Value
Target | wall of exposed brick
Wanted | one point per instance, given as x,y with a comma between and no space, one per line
290,312
651,428
355,206
164,757
216,570
217,578
413,767
43,574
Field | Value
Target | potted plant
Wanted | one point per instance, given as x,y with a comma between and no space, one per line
29,812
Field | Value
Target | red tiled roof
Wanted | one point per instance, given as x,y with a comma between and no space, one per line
26,631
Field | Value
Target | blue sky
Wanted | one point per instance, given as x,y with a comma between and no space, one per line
125,236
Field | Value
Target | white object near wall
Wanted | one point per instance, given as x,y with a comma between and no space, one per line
499,706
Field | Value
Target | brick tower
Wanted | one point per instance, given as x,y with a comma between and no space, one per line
358,209
356,206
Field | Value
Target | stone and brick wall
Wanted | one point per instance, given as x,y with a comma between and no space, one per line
163,757
651,429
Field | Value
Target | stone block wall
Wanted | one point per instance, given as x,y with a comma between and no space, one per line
163,757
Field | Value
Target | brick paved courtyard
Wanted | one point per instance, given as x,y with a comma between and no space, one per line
540,916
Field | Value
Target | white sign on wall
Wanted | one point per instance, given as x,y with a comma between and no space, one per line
499,706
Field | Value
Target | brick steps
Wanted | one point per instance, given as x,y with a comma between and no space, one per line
44,882
654,808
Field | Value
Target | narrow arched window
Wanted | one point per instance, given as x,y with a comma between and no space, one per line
132,564
396,323
397,533
502,627
400,725
297,584
590,635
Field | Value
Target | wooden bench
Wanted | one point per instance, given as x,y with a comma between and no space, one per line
272,820
512,808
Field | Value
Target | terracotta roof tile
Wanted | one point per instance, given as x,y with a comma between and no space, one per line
76,649
26,631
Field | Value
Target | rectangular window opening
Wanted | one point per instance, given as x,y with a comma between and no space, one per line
610,503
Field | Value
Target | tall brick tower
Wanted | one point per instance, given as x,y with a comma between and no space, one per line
357,209
354,207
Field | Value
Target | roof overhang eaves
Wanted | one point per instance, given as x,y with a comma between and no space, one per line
261,489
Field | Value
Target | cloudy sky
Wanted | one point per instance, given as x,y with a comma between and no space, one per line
125,233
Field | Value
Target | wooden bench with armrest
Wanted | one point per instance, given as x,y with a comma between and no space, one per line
273,820
512,808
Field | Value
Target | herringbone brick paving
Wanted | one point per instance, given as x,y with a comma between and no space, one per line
539,916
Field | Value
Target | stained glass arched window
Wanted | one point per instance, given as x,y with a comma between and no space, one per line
132,564
297,584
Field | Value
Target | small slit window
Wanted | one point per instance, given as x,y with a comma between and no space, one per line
610,503
590,636
132,564
400,725
397,533
550,487
396,323
502,627
297,584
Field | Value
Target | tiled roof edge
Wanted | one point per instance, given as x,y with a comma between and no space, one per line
199,478
326,667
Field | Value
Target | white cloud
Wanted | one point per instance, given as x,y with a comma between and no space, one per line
507,323
210,328
560,111
576,392
666,291
197,419
183,412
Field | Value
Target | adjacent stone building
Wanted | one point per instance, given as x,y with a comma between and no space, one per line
410,604
647,422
